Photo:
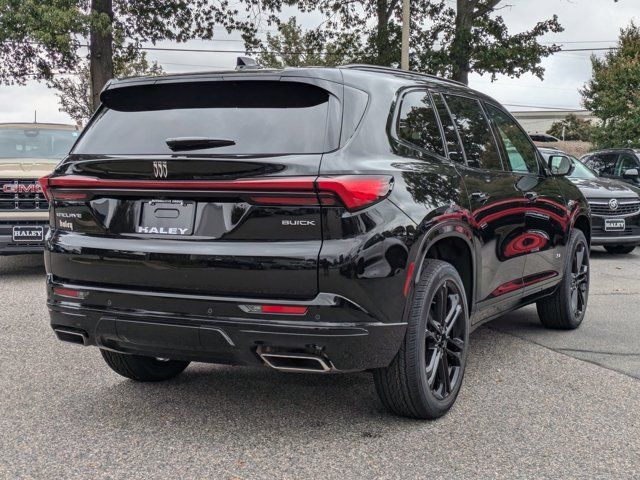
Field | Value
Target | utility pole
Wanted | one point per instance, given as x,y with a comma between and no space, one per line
406,19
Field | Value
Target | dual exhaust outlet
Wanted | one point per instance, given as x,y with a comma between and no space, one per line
296,362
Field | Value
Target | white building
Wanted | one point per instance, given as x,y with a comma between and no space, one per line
541,121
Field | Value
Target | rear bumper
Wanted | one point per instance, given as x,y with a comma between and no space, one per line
613,240
216,330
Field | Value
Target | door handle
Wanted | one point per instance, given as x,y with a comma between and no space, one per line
531,196
480,196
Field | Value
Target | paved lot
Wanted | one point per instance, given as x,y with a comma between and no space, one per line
534,404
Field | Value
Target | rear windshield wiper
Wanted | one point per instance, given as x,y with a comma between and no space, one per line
196,143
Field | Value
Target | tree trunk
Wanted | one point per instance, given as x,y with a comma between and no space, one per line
100,50
382,34
461,45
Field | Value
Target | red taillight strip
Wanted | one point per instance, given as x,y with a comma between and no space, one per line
354,191
284,184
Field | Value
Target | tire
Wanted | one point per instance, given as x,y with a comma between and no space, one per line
414,384
619,249
565,309
143,369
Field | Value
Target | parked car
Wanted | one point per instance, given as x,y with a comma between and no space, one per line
309,220
27,152
543,138
615,207
620,164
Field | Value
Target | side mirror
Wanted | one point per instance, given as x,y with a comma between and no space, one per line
560,165
631,174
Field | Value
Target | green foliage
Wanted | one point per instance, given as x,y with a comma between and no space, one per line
574,128
446,40
40,38
74,91
613,93
291,47
473,39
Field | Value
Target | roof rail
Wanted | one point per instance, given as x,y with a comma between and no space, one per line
364,66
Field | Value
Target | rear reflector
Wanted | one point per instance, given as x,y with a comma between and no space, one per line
68,195
275,309
68,292
353,191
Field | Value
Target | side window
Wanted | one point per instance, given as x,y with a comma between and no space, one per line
475,133
625,162
417,123
450,134
605,163
516,146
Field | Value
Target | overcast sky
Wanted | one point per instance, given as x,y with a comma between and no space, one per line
588,23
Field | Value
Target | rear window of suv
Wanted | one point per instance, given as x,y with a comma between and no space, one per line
255,117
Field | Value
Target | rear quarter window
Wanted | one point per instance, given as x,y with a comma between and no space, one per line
259,117
417,123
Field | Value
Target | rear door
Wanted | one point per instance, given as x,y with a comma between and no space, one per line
546,217
201,187
496,206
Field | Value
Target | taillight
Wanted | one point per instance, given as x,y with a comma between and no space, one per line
355,192
44,185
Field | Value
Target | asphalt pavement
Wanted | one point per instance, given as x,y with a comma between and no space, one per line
534,404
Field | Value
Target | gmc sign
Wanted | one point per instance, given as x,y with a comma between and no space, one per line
21,188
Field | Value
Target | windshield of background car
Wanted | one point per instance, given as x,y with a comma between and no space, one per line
257,117
580,170
39,143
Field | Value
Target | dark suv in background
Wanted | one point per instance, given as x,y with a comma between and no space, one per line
615,207
308,220
619,164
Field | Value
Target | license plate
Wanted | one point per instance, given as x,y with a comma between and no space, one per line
614,225
28,234
167,217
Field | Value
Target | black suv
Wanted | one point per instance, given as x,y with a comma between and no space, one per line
619,164
308,220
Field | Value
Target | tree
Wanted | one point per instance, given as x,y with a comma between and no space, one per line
291,47
42,38
613,93
571,128
451,41
474,39
74,91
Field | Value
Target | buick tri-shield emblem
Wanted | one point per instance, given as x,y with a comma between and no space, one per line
160,169
613,204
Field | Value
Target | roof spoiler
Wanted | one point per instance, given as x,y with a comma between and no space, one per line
246,63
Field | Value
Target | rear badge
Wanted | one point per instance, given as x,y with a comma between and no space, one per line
299,223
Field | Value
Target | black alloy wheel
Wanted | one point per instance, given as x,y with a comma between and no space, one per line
424,378
579,280
445,340
565,308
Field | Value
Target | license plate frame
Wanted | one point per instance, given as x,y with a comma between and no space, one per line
170,218
27,238
615,224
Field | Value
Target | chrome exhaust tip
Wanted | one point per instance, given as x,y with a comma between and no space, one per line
296,362
71,336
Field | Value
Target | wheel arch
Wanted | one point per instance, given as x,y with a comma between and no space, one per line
583,224
453,245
